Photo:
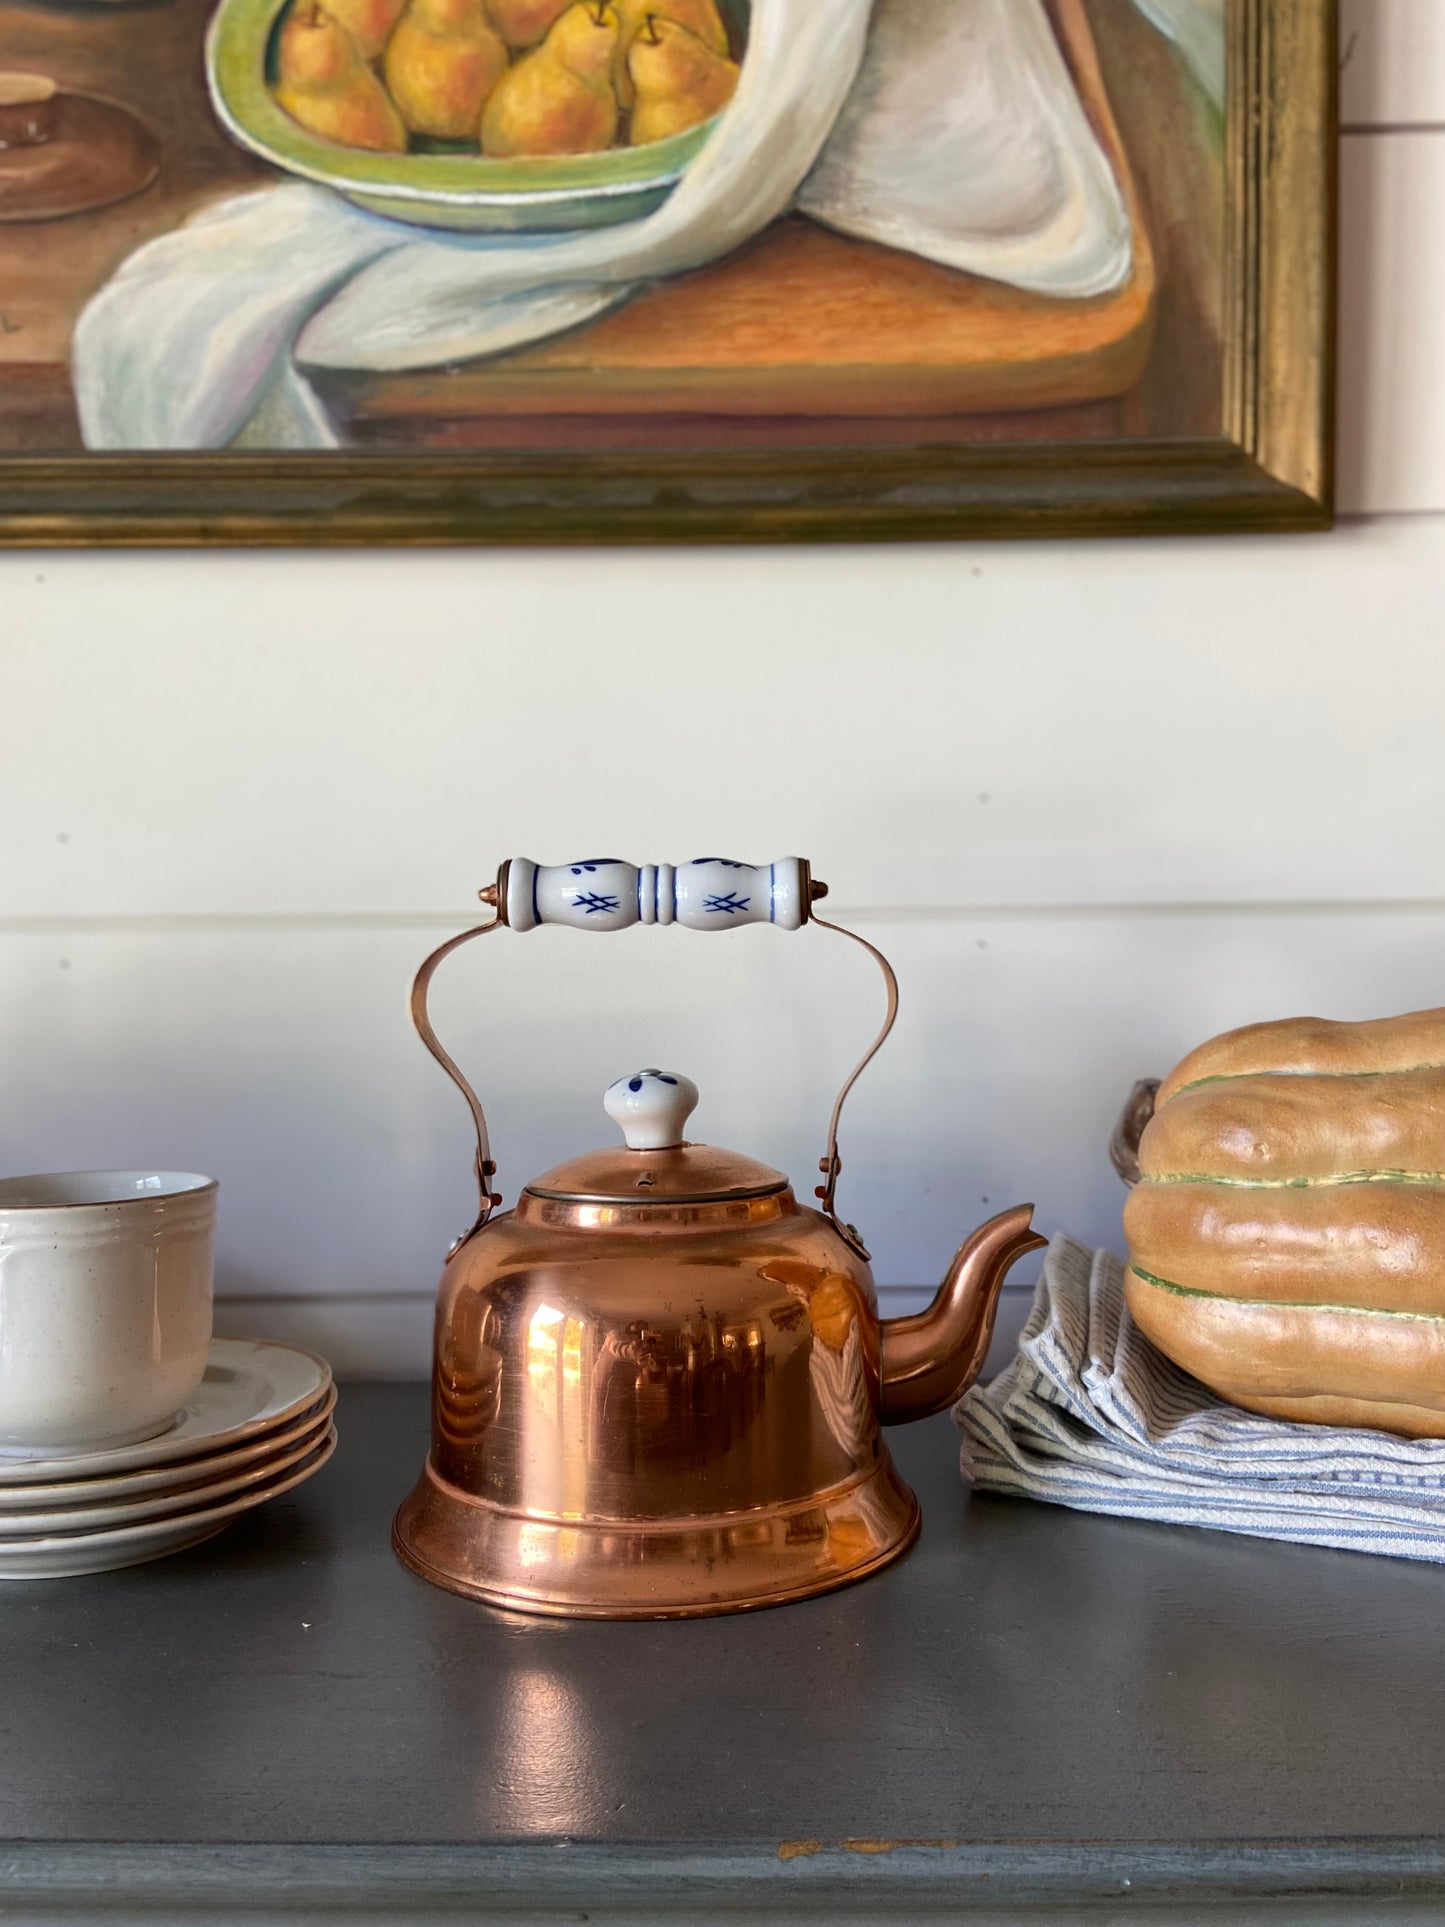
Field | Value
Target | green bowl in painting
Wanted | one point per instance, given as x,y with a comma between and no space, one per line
443,188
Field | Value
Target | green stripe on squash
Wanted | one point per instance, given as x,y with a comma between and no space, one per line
1286,1304
1300,1184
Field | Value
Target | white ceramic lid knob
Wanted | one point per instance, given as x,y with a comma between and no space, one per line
652,1107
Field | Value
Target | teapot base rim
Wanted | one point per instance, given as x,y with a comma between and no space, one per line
581,1569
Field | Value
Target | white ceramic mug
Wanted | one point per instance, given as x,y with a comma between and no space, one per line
105,1306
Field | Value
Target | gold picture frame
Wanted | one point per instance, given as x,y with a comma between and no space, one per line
1271,467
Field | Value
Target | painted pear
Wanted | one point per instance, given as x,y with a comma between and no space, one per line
324,83
441,66
558,99
698,16
679,81
369,22
522,23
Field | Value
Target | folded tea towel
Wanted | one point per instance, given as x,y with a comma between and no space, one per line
1089,1415
964,141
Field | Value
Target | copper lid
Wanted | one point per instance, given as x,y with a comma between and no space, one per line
656,1165
680,1174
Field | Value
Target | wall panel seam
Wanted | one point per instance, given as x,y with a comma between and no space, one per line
263,924
1373,127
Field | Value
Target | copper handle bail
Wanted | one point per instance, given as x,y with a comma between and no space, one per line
797,908
831,1164
420,1016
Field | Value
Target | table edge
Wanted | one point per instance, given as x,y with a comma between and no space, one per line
816,1877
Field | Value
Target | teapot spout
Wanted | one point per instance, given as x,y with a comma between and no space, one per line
932,1357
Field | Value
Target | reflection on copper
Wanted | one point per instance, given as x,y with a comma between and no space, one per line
467,1381
846,1394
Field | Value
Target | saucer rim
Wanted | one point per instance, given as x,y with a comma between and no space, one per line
175,1476
155,1507
121,1537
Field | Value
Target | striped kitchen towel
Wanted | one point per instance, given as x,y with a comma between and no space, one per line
1090,1415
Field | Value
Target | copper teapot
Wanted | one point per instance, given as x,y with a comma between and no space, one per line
660,1379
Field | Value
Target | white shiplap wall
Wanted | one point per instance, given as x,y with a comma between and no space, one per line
1096,800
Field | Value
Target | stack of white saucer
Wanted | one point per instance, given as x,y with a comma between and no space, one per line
258,1424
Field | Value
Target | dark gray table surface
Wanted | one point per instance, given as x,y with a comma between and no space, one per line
1034,1708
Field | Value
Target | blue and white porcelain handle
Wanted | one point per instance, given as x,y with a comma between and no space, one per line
603,893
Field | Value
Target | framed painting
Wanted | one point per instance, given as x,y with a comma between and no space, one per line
370,271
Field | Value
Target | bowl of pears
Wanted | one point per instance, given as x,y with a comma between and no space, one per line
484,116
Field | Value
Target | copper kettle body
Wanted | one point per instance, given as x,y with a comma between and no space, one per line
660,1380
